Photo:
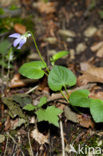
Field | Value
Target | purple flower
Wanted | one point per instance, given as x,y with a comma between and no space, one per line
20,40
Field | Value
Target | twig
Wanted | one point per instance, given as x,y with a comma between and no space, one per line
32,89
62,138
31,153
55,96
6,147
8,134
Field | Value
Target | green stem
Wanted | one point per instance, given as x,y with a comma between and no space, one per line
64,96
8,73
2,76
66,91
39,52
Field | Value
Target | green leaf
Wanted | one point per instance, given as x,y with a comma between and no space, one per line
29,107
59,55
96,109
22,99
14,108
92,5
43,100
33,70
4,45
50,114
80,98
59,77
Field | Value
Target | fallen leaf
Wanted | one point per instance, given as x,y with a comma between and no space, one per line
87,3
2,138
19,28
17,123
98,48
90,74
85,121
96,95
5,3
7,123
39,137
14,108
17,82
70,115
45,7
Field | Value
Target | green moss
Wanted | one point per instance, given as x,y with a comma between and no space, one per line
1,11
91,142
13,7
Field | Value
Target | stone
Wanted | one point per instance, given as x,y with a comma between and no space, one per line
90,31
51,40
80,48
69,39
72,54
67,33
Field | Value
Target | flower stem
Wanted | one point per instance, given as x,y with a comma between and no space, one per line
39,53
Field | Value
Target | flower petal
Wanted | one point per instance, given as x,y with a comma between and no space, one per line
16,42
15,35
21,43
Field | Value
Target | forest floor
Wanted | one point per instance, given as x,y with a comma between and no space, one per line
75,26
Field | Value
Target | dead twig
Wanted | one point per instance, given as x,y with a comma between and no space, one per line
6,147
62,138
31,153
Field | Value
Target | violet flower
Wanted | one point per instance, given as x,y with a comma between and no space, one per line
20,40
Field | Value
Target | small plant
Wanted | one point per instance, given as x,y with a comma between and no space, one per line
59,78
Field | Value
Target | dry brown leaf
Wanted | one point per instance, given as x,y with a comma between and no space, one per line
19,28
39,137
70,115
46,7
91,74
85,121
17,82
6,3
97,95
98,48
16,123
87,3
7,124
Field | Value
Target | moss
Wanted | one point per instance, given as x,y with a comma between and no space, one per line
13,7
1,11
91,142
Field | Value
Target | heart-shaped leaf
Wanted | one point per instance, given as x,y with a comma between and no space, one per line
80,98
59,77
32,70
96,109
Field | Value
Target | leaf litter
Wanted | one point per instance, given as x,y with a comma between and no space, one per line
89,73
